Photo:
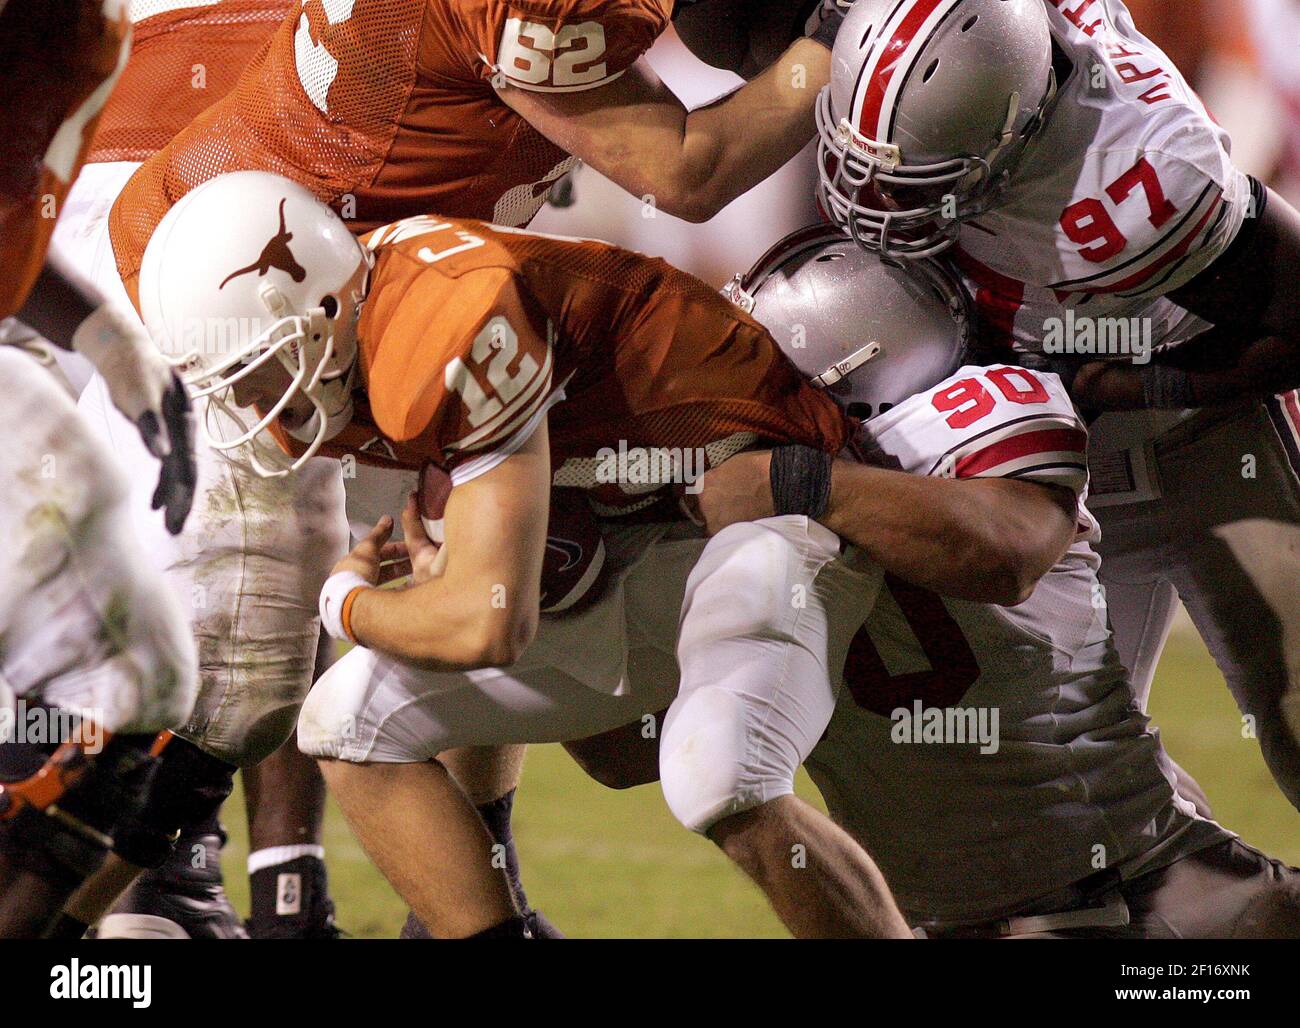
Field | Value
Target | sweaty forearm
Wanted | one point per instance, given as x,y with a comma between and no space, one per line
986,540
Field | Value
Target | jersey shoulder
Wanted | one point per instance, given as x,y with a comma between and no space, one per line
987,422
1130,189
457,363
558,46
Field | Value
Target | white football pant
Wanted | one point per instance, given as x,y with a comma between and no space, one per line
86,624
764,609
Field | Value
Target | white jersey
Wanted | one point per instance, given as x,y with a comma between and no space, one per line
1127,194
1069,778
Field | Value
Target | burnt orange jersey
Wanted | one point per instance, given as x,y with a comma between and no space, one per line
185,55
58,62
471,332
386,108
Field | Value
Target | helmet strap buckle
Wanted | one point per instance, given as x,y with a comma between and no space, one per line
842,369
736,292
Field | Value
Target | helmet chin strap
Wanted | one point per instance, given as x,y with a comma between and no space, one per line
335,422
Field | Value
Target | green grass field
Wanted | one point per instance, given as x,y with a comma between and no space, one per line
615,864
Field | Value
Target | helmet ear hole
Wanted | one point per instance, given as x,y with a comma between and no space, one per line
861,411
331,306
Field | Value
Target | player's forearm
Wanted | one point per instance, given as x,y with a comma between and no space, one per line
447,625
986,540
1259,369
732,145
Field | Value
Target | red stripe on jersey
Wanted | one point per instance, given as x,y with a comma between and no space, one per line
1178,251
997,296
886,64
1291,409
1050,440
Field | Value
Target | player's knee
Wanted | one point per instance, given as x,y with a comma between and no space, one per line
339,720
62,805
705,765
1273,914
188,787
328,720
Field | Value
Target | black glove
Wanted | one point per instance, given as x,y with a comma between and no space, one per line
832,17
178,476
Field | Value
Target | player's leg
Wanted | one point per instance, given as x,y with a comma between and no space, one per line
176,841
765,618
285,799
88,629
1236,565
247,572
1226,890
378,725
1140,603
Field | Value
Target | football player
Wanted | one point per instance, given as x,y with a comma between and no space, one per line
1080,830
489,352
1022,713
1092,206
183,57
93,657
389,108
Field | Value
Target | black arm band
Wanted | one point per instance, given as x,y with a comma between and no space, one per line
801,480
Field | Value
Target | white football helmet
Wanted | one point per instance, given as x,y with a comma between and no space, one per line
249,268
929,107
870,333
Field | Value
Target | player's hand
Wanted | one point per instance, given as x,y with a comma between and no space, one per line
1108,385
368,556
739,489
830,15
179,474
149,393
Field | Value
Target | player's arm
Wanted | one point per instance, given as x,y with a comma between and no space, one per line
482,610
986,539
1250,296
690,163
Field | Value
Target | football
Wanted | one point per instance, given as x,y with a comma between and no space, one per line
573,568
431,498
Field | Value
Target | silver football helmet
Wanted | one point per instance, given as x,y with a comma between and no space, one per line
870,333
929,107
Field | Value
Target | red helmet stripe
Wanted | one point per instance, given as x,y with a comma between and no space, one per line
887,60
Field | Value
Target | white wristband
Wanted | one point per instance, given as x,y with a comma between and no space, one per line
333,596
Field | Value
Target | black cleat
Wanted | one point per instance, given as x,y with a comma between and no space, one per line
183,899
291,901
538,927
